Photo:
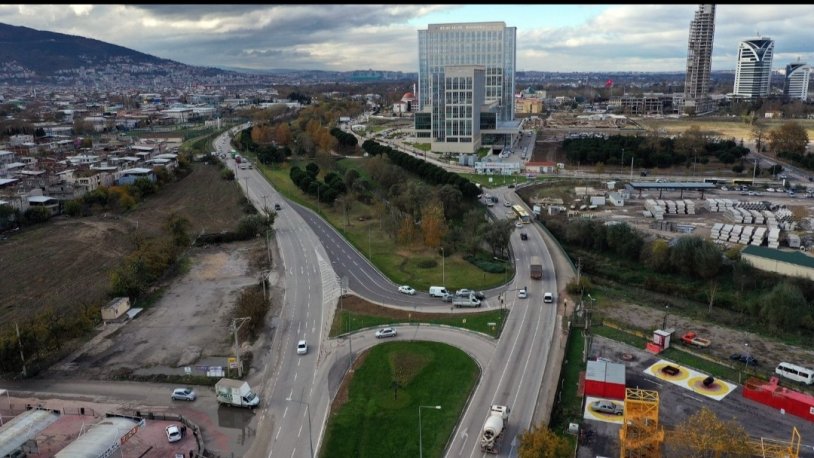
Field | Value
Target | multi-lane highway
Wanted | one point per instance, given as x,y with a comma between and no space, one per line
298,389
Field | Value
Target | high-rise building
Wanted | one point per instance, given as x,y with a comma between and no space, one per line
754,70
795,86
699,59
466,74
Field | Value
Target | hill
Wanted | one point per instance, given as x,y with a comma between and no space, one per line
35,55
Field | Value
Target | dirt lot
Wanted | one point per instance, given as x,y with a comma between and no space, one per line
189,323
65,263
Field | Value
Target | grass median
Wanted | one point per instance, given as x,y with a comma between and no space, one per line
376,413
356,313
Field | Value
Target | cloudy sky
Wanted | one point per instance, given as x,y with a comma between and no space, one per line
353,37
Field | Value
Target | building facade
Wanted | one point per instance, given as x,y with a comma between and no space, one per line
452,111
795,85
754,70
699,60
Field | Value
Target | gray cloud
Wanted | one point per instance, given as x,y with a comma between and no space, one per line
347,37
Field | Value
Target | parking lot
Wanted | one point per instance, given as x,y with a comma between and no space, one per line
677,402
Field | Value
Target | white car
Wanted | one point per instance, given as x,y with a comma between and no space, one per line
548,298
522,293
183,394
174,433
302,347
406,289
609,407
518,225
385,332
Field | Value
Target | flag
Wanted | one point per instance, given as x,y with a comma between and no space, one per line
608,84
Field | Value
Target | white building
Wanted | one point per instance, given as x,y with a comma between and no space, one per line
795,85
754,70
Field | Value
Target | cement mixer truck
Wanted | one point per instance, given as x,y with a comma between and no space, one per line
493,427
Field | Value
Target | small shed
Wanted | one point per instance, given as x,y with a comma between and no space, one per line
116,308
605,380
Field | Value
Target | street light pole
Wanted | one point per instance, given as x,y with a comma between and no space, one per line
443,270
420,440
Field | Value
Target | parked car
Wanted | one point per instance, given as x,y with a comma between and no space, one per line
184,394
406,289
603,406
479,295
302,347
173,433
464,292
745,359
385,332
278,207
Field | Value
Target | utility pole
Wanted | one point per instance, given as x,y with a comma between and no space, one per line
235,326
22,357
343,289
631,169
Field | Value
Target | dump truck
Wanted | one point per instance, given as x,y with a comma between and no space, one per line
536,268
493,428
236,393
691,338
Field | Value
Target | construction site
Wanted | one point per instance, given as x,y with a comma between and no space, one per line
656,396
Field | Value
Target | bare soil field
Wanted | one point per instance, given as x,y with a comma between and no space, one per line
65,263
724,127
189,322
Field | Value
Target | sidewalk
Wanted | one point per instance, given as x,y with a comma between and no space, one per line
548,388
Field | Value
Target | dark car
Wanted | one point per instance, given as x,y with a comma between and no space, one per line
745,359
524,236
277,207
479,295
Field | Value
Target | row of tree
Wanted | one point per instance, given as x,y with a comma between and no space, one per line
653,150
428,172
347,142
307,180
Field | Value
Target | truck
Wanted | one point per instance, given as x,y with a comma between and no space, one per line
692,339
536,268
466,301
236,393
493,428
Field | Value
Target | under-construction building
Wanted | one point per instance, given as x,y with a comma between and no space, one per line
699,60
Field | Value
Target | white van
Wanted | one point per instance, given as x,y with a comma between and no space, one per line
438,291
795,372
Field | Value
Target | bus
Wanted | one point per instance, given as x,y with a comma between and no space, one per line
521,214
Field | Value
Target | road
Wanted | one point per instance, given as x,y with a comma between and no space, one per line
296,390
315,254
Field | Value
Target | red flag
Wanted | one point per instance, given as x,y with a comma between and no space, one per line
608,83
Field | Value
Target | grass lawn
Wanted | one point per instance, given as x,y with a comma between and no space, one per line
370,418
497,180
421,146
356,313
569,403
399,263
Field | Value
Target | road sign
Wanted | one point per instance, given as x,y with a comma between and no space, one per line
232,362
491,323
187,370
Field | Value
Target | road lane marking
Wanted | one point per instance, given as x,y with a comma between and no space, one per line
285,411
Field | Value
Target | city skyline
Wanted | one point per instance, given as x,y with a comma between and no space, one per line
562,38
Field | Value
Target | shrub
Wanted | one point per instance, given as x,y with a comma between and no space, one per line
487,266
227,174
427,263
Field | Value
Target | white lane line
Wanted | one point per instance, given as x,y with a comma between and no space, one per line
285,411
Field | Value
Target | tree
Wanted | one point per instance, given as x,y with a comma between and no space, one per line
541,442
784,308
433,225
282,134
758,134
704,435
790,137
450,197
178,226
